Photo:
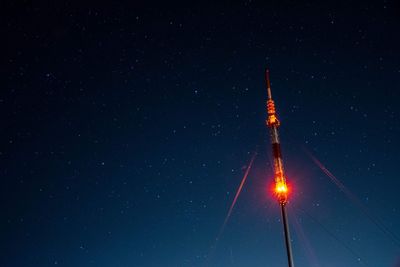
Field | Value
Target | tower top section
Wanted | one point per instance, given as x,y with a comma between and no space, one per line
272,120
268,84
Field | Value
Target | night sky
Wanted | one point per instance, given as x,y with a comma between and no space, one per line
127,129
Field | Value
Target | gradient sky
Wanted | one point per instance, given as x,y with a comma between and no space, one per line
126,131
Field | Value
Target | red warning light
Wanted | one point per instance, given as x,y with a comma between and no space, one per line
281,188
281,191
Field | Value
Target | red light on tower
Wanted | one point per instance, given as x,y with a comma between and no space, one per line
281,189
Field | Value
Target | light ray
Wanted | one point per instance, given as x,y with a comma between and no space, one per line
356,201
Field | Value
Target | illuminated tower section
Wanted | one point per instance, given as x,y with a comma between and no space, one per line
281,188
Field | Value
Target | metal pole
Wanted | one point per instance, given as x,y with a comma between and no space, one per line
287,235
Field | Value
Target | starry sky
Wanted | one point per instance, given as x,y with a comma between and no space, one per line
127,129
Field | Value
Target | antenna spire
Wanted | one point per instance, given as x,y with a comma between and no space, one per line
268,84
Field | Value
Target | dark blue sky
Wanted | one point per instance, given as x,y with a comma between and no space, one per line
127,128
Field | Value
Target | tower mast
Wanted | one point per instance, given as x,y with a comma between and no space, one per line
281,188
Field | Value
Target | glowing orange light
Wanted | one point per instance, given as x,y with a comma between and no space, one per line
281,191
281,188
